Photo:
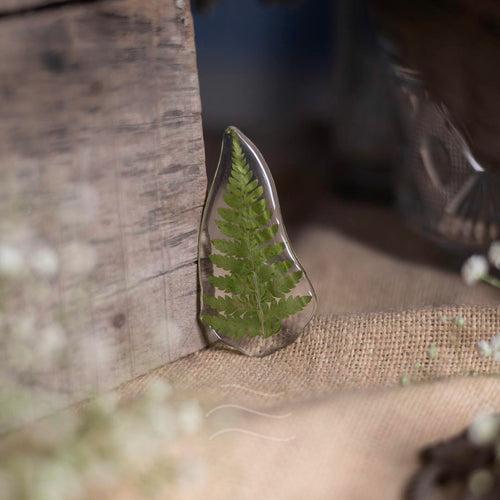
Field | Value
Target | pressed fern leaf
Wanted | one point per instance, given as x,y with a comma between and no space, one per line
259,277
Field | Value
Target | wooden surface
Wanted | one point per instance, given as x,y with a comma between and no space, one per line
102,98
16,6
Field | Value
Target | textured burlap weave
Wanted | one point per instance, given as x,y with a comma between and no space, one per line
345,352
362,258
342,426
334,421
352,446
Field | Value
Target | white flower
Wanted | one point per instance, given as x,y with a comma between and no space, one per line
78,258
106,404
44,261
158,392
190,416
474,269
485,348
495,342
494,254
134,439
11,260
54,480
484,429
481,482
490,348
51,342
433,351
160,422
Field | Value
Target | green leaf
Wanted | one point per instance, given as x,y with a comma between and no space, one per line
288,306
230,247
266,234
227,262
226,283
253,298
229,305
274,250
284,283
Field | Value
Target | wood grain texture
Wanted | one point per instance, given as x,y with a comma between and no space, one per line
11,6
102,101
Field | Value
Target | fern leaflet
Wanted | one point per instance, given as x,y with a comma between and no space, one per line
259,277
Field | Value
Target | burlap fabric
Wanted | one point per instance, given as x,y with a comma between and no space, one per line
362,258
352,446
327,417
342,352
340,425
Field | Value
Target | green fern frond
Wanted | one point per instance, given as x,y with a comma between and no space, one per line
259,279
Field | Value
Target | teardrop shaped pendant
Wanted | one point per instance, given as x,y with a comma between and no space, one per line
255,296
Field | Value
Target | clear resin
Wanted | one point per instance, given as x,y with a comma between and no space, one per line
255,295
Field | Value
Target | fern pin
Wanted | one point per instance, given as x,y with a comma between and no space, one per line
252,290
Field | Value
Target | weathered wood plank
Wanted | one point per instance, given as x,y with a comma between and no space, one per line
12,6
100,109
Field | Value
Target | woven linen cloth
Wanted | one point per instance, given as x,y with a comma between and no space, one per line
337,390
359,445
362,258
327,417
343,352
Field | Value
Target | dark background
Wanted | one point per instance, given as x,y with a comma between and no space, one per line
308,83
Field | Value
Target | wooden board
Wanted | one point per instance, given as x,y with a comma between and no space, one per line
13,7
101,101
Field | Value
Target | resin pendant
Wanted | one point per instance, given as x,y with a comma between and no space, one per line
255,295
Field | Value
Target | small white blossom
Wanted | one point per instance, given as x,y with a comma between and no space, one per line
494,254
190,416
490,348
11,260
481,482
51,342
55,479
158,392
474,268
484,348
433,351
44,261
107,404
78,258
495,342
484,429
161,422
